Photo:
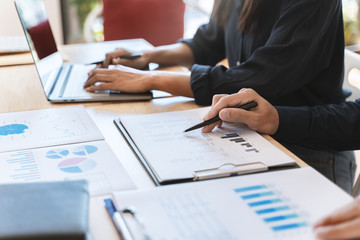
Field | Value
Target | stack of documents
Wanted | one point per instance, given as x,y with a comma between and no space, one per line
58,144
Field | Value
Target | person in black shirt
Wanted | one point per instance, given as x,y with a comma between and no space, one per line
326,127
329,127
290,51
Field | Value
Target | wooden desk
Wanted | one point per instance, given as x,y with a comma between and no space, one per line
21,90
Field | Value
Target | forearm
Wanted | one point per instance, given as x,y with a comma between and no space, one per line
332,127
175,54
172,82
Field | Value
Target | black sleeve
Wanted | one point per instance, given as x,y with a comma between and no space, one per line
208,44
298,49
335,127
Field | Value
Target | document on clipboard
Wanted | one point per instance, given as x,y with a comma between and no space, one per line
170,155
273,205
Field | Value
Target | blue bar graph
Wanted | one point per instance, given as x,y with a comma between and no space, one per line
272,207
257,195
251,188
281,218
265,202
272,210
290,226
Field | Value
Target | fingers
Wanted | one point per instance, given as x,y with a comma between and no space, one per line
223,101
264,118
98,75
211,114
210,127
100,87
112,56
347,230
347,212
342,224
216,98
234,100
236,115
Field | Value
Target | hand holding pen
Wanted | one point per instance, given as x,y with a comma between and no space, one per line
263,118
116,60
124,57
213,120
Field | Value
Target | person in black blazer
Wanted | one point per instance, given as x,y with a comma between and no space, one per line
286,50
290,51
328,127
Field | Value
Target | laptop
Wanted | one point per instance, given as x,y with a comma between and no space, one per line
61,82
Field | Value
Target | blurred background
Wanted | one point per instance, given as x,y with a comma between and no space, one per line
87,22
79,21
84,19
351,21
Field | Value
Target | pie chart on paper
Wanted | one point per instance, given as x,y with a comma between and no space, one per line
85,150
57,153
13,129
77,165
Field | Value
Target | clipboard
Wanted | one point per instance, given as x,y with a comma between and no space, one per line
224,170
136,151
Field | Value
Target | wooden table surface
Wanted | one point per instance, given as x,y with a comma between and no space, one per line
21,90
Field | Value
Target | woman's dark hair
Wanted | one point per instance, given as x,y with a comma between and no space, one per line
247,18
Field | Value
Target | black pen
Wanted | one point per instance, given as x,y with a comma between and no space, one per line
129,57
215,119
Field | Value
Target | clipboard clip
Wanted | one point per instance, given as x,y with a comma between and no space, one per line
229,169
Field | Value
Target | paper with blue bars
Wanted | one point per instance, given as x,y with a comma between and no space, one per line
274,205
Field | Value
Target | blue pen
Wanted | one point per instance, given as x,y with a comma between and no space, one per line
118,220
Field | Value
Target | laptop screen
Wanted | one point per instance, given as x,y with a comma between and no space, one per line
37,28
35,22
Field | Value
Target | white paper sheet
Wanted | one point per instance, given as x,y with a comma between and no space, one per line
47,127
92,161
173,154
276,205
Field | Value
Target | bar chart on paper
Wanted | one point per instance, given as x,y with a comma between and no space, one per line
22,166
273,208
273,205
240,140
92,161
264,206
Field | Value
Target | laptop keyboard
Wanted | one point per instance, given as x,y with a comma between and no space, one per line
75,84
